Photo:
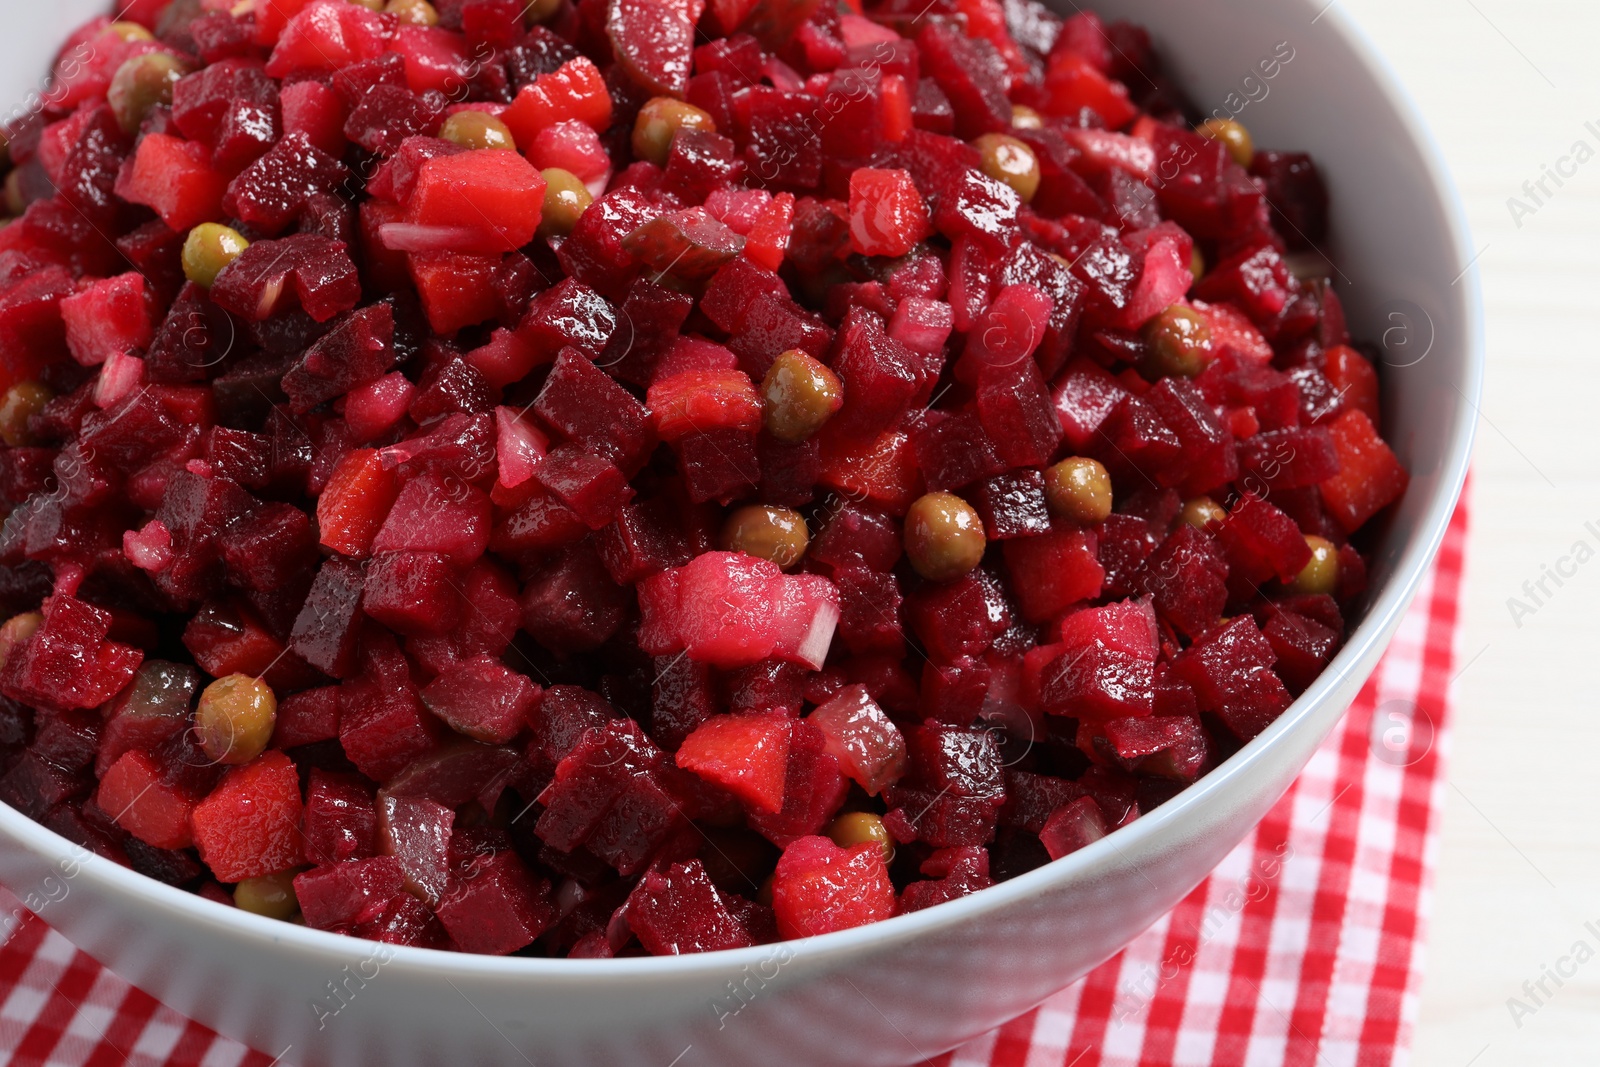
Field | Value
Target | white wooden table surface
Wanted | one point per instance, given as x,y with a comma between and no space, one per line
1509,86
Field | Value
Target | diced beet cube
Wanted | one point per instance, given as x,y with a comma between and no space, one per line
412,592
682,697
961,617
1260,542
456,772
327,627
1051,572
1186,577
439,514
276,189
748,755
583,402
571,604
1230,669
590,485
384,731
1013,505
1302,646
496,906
357,350
68,663
340,819
679,910
819,887
1070,827
593,252
483,699
861,737
869,611
952,873
981,209
1104,666
250,824
340,895
604,795
879,374
310,270
1085,396
1015,411
970,73
416,832
307,717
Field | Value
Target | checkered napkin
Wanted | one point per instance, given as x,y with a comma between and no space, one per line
1304,947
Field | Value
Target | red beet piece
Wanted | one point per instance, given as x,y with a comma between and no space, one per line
68,662
1015,411
1070,827
326,629
819,887
570,314
276,189
412,592
1050,573
678,911
605,796
482,698
1302,646
357,350
416,832
1231,671
340,819
584,403
340,895
439,514
270,276
571,604
880,376
1260,542
383,730
496,906
952,873
250,824
1104,665
653,43
953,794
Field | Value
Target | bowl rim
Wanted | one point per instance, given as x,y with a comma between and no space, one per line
823,950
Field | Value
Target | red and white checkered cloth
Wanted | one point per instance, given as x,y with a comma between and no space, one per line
1304,947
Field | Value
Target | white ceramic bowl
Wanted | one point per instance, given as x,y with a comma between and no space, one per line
919,984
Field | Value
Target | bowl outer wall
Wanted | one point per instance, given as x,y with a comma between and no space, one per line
908,988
